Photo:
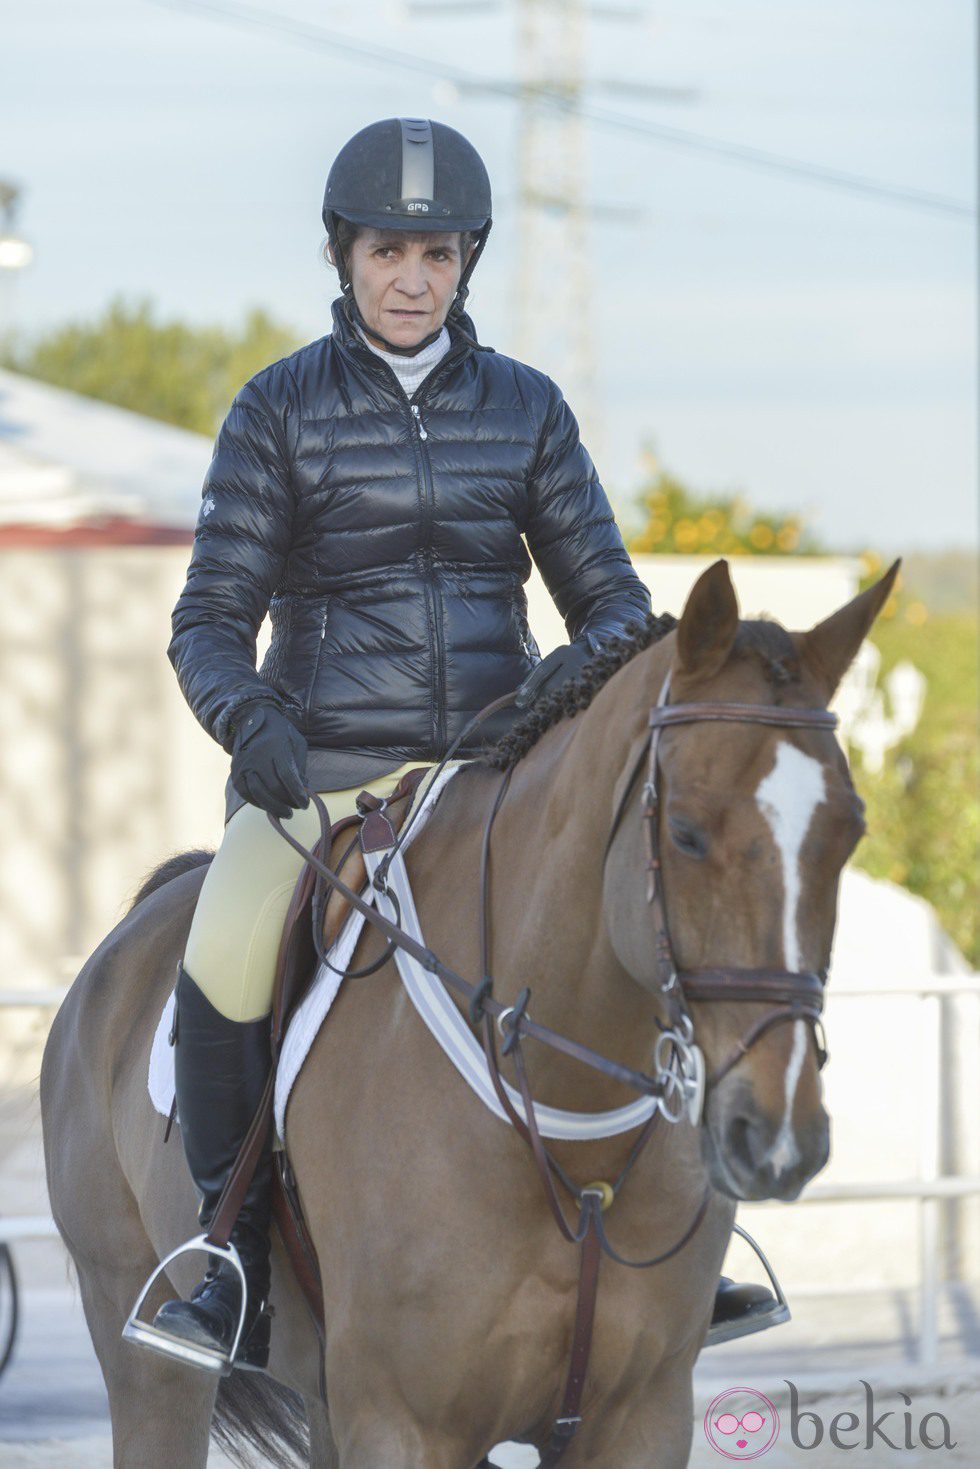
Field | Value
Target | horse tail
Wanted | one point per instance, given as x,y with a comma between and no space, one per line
255,1413
168,870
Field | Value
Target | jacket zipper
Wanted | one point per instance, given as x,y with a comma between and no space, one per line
436,375
433,597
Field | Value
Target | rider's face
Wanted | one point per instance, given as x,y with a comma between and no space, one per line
404,283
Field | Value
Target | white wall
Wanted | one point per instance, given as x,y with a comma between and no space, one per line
798,590
104,769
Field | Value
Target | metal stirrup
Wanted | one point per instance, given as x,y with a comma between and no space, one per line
776,1287
145,1334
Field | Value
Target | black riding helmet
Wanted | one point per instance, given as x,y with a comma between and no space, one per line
408,173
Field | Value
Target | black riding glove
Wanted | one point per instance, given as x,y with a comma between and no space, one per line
268,760
561,664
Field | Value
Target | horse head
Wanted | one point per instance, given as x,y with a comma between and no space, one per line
721,881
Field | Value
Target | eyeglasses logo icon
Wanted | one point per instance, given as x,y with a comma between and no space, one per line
741,1423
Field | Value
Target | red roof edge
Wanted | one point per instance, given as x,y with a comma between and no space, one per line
91,535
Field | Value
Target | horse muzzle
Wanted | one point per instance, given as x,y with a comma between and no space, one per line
751,1156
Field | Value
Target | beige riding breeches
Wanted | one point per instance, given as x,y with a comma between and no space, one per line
237,926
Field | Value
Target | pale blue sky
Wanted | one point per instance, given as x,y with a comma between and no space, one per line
813,348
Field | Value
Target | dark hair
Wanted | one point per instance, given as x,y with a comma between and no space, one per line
347,233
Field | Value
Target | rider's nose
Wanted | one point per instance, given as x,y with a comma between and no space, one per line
411,280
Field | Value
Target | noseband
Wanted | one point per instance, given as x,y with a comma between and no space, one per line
795,994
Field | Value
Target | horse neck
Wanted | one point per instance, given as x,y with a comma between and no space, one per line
550,931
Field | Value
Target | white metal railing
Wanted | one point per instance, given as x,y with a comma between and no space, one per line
20,1227
40,999
929,1189
27,1226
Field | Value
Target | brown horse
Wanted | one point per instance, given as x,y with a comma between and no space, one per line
449,1294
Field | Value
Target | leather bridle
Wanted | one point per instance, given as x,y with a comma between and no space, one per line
794,994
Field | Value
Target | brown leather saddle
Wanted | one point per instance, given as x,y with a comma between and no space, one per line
295,968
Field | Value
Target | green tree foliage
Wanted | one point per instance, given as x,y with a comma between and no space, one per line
186,375
677,519
923,808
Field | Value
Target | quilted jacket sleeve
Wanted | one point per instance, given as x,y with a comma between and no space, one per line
243,536
573,536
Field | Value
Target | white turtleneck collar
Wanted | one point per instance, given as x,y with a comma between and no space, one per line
411,372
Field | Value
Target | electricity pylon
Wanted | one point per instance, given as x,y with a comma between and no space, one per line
554,285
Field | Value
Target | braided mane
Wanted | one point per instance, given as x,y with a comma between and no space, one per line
576,693
759,638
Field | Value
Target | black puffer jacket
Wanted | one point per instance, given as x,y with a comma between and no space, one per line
384,537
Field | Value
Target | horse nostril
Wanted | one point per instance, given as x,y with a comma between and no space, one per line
747,1143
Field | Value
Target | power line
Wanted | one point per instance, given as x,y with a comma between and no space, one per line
739,153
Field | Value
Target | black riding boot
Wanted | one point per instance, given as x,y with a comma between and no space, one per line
742,1309
220,1068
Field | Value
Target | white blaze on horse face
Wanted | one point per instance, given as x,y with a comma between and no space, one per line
787,798
784,1152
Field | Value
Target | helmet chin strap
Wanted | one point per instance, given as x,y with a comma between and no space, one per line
354,315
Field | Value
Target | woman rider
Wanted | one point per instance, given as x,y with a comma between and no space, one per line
370,492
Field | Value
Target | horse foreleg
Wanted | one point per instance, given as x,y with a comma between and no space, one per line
398,1441
652,1430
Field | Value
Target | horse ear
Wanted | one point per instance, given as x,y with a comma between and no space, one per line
831,646
708,624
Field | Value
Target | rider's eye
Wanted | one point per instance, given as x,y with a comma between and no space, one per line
687,838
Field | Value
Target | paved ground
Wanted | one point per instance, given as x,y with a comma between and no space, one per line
53,1411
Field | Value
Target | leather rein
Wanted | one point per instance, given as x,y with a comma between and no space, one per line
679,1084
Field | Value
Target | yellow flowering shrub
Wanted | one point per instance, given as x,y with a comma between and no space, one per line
673,518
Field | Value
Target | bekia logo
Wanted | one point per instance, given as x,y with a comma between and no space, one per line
895,1428
741,1423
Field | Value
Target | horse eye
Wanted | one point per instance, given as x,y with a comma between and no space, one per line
687,838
